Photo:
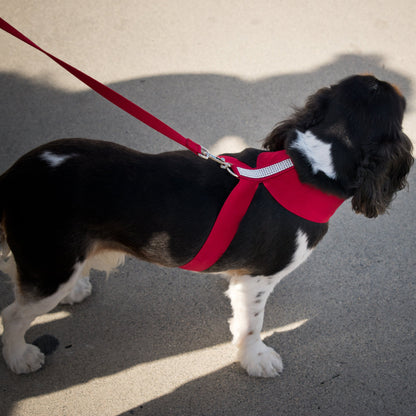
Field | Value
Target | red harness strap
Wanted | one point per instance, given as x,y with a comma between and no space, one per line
276,172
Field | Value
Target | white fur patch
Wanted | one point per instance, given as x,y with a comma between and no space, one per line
53,159
316,151
301,254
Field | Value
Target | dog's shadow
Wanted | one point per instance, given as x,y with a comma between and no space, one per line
145,313
203,107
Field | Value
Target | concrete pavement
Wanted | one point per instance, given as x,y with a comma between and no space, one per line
154,341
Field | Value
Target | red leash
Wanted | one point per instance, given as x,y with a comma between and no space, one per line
117,99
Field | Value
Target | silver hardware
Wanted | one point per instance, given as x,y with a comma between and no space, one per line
205,154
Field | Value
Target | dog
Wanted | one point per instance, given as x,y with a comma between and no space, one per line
76,204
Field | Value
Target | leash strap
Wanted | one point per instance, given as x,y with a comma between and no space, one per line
114,97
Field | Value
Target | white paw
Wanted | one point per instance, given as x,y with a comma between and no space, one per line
27,360
259,360
82,289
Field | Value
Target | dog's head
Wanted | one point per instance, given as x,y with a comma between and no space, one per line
348,140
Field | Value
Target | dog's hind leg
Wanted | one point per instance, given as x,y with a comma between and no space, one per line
102,260
81,290
17,317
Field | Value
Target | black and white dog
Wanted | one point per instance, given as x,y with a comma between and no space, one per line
72,205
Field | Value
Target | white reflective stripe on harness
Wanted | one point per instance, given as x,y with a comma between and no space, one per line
266,171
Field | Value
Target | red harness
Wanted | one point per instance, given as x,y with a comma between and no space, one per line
276,172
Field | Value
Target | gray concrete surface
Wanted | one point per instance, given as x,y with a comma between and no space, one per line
153,341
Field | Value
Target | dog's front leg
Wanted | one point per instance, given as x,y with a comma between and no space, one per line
248,298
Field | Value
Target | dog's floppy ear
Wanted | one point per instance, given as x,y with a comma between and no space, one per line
382,173
303,119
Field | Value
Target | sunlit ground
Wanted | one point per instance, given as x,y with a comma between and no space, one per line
156,378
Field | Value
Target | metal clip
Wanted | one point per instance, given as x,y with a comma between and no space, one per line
205,154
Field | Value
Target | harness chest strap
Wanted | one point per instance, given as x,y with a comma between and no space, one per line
276,172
